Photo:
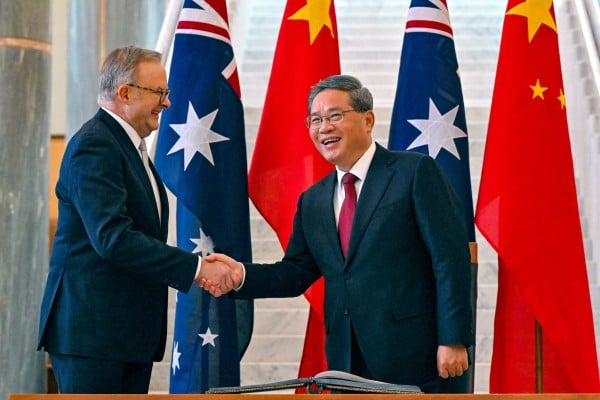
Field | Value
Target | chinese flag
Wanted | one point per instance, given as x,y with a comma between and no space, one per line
527,210
285,161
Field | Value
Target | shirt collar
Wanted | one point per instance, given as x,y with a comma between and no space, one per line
360,168
131,132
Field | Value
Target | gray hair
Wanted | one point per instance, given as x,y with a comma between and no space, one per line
361,98
119,67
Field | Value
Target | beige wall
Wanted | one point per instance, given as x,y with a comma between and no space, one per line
58,114
58,87
57,147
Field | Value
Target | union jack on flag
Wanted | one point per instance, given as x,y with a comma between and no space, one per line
201,156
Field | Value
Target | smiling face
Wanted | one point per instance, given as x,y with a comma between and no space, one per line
345,142
142,107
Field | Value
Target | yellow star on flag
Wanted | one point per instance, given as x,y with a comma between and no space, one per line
537,13
316,12
538,90
562,100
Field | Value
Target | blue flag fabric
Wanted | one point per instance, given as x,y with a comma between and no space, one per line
201,156
429,116
429,112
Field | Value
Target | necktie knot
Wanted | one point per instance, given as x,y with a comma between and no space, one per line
349,179
145,159
143,147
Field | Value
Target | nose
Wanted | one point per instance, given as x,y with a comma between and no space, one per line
166,102
326,125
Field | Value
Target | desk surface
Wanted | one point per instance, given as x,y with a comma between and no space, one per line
262,396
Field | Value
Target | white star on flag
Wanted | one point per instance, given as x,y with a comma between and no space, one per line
437,132
196,136
204,244
208,338
175,358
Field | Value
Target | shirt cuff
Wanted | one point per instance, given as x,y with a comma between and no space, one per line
198,269
243,277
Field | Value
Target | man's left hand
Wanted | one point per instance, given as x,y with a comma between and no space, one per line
452,360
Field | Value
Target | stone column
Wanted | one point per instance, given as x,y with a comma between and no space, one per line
95,29
24,124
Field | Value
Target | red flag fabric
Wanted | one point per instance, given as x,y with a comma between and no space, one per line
285,161
527,210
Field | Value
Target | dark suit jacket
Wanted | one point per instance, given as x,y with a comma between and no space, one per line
106,294
405,285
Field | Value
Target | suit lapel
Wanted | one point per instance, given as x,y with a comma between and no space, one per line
326,234
371,194
164,202
134,161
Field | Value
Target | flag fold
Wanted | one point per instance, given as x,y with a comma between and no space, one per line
527,210
429,115
201,156
285,161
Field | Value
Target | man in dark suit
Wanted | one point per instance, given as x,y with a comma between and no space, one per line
397,299
104,310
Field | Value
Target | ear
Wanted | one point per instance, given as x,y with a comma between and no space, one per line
370,119
123,93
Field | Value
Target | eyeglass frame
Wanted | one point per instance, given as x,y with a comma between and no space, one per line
163,93
308,120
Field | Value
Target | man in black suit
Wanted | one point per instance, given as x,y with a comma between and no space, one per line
104,311
397,299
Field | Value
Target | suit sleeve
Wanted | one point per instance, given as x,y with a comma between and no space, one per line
289,277
441,224
115,214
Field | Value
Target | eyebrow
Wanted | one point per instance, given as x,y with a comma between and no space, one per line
330,111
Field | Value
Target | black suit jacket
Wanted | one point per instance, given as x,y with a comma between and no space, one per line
106,293
405,285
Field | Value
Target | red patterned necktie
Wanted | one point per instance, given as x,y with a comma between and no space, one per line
347,211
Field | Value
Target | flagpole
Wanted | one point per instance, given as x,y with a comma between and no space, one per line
167,30
539,363
474,251
164,45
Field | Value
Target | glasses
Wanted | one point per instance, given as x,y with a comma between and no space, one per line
163,93
315,121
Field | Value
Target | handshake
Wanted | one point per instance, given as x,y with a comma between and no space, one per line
219,274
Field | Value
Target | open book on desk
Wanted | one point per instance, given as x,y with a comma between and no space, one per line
331,380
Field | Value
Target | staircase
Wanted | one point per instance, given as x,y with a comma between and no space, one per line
370,38
581,75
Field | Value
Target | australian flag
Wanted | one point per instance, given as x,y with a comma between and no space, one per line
201,156
429,112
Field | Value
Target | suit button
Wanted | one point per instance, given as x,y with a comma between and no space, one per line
346,311
347,276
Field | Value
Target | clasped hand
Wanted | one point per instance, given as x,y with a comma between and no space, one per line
219,274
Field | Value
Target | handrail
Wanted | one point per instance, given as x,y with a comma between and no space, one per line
584,125
589,18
